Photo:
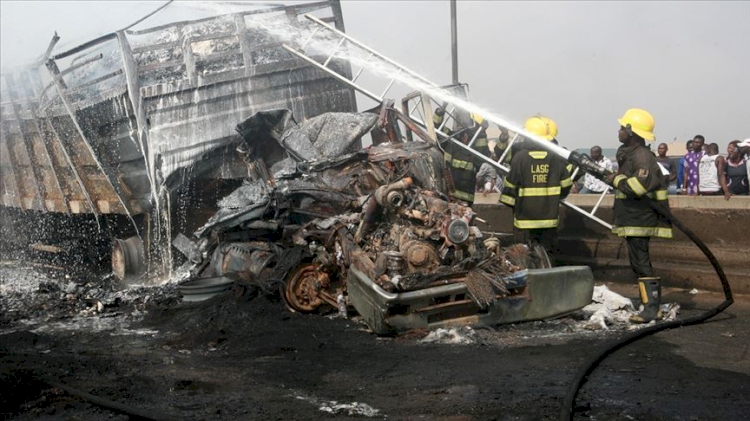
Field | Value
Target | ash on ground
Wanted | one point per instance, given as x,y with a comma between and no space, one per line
48,299
44,298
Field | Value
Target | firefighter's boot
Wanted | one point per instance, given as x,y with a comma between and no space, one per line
650,289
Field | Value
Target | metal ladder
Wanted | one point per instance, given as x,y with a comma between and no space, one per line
327,43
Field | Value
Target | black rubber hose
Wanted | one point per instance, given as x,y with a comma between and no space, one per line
567,411
133,412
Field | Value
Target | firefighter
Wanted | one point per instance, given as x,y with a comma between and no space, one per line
533,188
638,182
463,164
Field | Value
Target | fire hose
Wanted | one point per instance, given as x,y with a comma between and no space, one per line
568,410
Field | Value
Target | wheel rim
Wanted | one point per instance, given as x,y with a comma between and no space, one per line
302,286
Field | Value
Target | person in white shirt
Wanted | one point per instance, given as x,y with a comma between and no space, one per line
709,182
591,184
745,150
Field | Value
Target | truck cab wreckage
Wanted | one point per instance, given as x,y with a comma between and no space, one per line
331,223
375,228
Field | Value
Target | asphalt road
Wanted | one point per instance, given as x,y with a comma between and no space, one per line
248,357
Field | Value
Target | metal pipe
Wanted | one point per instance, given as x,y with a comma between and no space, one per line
136,101
332,73
599,202
354,79
148,15
333,53
364,47
92,43
81,64
454,42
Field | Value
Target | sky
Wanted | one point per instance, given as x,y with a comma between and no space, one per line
580,63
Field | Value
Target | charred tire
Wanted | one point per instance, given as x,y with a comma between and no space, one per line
302,286
128,258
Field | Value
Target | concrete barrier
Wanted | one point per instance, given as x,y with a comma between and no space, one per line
723,225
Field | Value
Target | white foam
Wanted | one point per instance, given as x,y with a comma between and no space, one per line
463,335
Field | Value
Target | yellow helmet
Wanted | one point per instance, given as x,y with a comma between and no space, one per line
552,126
478,118
538,126
641,122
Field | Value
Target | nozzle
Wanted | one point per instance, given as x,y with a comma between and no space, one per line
587,164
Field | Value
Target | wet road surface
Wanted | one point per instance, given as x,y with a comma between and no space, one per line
245,356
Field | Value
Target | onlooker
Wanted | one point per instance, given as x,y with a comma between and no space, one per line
735,170
709,183
486,178
745,150
681,165
690,174
668,165
591,184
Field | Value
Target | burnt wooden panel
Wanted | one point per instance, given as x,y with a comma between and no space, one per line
194,82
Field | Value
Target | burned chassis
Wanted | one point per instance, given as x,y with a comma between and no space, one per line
372,228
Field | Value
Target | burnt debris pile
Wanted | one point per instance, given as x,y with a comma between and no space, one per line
316,207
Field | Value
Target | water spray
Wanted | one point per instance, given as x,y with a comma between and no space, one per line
388,69
416,82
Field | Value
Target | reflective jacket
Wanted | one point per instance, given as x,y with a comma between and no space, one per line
534,186
638,181
463,164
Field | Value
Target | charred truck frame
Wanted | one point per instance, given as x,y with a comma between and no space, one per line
122,127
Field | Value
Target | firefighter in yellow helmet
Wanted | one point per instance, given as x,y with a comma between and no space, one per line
638,183
463,165
534,186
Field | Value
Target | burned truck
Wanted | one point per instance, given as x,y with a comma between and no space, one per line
115,144
137,132
336,227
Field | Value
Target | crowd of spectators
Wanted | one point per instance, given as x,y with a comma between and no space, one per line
705,172
702,171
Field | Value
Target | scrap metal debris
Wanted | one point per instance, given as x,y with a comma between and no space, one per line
317,206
